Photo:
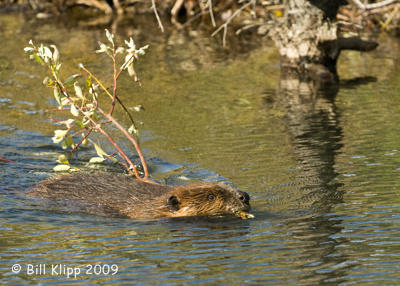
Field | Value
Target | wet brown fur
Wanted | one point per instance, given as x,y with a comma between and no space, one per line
127,197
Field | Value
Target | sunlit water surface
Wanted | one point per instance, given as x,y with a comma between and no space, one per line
322,170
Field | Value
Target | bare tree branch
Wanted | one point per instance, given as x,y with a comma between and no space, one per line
225,25
373,5
210,8
153,6
103,6
174,11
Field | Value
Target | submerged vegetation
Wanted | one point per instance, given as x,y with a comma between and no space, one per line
81,99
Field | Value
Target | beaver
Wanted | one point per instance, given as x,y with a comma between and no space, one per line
124,196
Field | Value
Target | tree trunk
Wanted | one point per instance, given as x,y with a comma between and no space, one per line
307,37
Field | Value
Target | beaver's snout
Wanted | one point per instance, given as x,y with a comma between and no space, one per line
241,201
244,197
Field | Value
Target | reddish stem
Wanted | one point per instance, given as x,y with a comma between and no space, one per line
80,142
8,161
55,120
57,109
121,153
114,82
130,138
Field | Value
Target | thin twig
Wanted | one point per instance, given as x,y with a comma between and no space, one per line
80,142
114,86
210,9
247,27
130,138
389,19
192,19
103,6
153,6
120,152
373,5
25,164
127,112
225,25
110,95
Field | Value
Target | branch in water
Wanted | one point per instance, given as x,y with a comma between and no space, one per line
356,44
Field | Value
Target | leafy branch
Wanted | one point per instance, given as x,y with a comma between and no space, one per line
82,102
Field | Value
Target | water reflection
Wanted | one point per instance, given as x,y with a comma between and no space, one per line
313,123
314,128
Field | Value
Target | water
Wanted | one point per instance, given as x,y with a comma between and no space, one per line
321,166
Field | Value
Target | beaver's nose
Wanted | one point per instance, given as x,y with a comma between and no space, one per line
244,197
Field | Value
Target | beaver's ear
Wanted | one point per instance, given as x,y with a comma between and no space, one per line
173,203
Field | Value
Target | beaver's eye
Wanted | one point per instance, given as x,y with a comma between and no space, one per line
173,203
211,197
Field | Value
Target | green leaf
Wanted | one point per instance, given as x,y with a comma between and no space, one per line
138,108
68,142
68,122
56,54
47,52
94,116
64,144
131,71
28,49
38,59
74,110
85,120
59,135
110,37
63,159
131,44
142,50
89,82
119,50
64,101
79,124
62,168
48,81
132,130
57,96
78,90
71,79
103,48
57,67
85,142
113,159
96,160
99,150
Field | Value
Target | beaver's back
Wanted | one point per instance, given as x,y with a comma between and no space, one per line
111,192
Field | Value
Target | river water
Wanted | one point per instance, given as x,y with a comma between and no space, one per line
321,164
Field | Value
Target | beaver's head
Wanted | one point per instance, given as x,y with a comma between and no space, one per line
207,199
